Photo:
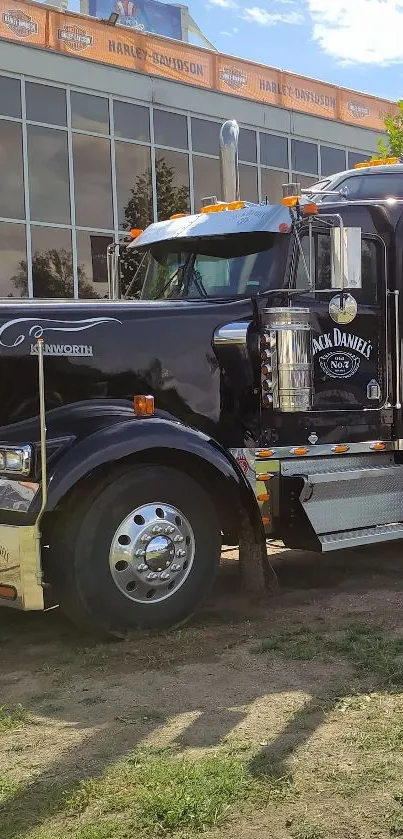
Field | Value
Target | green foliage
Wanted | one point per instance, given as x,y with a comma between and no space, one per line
394,127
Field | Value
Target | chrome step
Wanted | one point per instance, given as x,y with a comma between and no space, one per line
365,536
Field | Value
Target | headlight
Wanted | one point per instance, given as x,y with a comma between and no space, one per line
16,459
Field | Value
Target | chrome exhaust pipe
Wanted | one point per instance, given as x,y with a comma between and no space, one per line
229,135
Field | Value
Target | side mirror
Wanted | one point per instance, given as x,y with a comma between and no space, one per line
345,244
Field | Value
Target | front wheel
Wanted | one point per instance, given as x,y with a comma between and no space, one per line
139,552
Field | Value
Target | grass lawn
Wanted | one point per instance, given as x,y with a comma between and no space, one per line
277,721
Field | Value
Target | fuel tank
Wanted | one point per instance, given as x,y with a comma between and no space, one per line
111,350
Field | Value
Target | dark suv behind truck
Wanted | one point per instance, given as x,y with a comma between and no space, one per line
369,182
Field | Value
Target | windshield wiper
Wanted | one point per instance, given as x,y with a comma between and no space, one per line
171,279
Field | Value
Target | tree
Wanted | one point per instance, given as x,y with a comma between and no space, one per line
394,128
139,214
52,274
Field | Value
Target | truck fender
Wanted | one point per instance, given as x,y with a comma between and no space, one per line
139,436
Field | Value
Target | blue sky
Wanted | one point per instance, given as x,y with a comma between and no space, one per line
352,43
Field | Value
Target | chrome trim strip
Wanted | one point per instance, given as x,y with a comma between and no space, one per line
282,452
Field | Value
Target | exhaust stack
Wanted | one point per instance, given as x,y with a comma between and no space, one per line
229,135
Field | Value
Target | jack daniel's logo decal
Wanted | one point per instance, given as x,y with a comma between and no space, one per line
340,353
13,333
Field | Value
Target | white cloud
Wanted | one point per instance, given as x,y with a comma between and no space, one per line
255,14
359,31
224,4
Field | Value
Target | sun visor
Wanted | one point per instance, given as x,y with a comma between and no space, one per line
253,218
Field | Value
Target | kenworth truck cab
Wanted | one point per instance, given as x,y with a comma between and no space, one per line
253,392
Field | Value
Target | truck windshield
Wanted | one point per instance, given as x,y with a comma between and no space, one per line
176,274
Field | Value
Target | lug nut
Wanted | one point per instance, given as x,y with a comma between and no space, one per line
142,567
157,528
145,537
178,538
180,553
165,575
169,529
175,568
139,552
152,576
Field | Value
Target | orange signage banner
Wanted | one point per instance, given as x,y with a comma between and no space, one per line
121,46
85,37
24,22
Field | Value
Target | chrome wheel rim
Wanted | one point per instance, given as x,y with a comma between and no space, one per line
152,553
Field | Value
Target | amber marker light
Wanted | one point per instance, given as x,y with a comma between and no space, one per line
378,447
143,406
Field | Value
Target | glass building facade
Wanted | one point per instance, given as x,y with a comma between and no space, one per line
79,169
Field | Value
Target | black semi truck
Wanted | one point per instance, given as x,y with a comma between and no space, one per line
252,392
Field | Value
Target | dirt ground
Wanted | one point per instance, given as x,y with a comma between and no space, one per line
320,716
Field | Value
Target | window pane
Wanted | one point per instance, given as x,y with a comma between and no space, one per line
272,185
133,182
332,160
131,121
304,180
206,136
13,272
11,180
52,265
170,129
206,179
304,156
248,183
172,172
92,181
380,186
48,167
357,157
10,97
274,150
89,113
247,145
46,103
92,270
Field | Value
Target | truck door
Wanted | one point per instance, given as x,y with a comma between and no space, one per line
349,329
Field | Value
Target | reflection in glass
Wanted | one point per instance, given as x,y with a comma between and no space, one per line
273,150
89,113
92,181
11,181
206,179
13,276
248,186
247,145
272,185
46,103
304,180
205,136
48,168
52,265
172,176
332,160
92,269
357,157
10,97
304,156
131,121
170,129
133,181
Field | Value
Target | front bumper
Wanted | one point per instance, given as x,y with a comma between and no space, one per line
20,567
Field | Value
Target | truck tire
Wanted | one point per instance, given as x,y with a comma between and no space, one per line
142,552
